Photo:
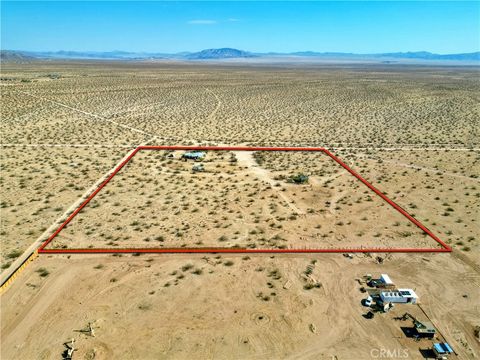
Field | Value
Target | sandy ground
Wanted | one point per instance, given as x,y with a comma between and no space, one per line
238,204
411,131
39,185
258,308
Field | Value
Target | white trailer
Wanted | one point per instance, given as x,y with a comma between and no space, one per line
405,296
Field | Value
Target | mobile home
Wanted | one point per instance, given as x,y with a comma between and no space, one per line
406,296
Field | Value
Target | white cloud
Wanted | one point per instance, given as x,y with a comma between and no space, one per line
233,20
202,22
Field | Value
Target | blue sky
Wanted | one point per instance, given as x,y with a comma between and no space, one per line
155,26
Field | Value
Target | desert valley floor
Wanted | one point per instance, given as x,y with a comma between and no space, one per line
412,131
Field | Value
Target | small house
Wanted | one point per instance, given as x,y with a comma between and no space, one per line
406,296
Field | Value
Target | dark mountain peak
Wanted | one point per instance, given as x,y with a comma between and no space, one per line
222,53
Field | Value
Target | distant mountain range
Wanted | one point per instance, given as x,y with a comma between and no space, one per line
421,55
14,56
226,53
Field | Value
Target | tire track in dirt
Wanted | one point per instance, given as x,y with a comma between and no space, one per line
418,167
247,160
131,128
211,116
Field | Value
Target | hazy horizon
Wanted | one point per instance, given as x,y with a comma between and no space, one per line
246,50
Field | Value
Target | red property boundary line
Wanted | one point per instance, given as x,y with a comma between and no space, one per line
444,247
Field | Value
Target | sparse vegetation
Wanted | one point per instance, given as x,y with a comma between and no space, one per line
43,272
241,200
238,192
14,254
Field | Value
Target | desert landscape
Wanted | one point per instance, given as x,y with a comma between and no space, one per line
410,130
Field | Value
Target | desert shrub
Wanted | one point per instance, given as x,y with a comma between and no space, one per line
14,254
310,286
187,267
222,238
43,272
275,274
